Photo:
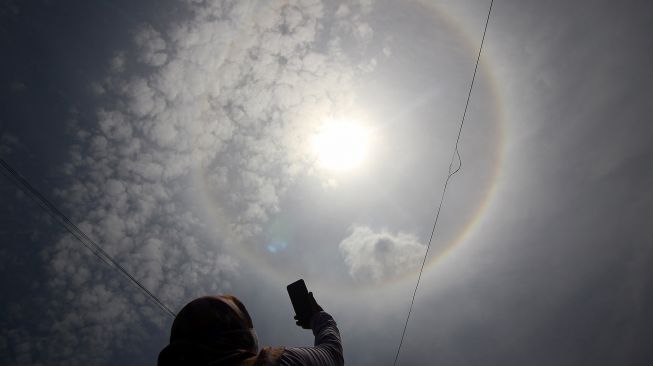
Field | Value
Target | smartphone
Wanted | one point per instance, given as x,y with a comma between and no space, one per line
299,297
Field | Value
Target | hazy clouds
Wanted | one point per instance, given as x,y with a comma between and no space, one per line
188,160
234,91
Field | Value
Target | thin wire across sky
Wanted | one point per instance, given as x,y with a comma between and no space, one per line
454,155
73,229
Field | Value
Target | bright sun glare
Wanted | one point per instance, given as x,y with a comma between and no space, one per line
341,145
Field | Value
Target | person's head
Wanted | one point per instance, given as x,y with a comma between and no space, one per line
214,326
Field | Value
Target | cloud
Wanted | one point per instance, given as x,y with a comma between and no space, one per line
117,63
151,45
233,92
8,143
376,255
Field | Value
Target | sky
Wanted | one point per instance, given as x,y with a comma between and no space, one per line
233,147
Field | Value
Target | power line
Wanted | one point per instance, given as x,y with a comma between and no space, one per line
73,229
455,154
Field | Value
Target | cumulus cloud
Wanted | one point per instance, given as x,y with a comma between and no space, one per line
375,255
151,45
233,91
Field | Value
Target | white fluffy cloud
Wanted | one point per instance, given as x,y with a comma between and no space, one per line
233,91
375,255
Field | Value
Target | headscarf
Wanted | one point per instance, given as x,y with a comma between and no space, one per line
211,330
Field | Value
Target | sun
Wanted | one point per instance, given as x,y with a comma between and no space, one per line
341,145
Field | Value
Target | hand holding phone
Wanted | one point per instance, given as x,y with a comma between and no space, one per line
303,302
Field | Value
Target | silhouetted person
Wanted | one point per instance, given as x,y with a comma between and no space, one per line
217,330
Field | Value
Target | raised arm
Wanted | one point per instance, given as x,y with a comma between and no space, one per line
328,346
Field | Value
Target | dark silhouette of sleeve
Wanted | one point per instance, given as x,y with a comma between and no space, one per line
328,346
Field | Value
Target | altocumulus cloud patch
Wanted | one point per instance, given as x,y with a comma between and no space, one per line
233,91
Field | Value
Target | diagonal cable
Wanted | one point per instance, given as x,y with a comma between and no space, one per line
455,154
73,229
